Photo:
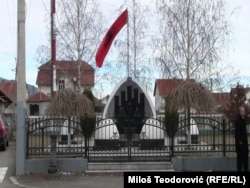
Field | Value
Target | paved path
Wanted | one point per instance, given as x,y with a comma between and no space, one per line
66,181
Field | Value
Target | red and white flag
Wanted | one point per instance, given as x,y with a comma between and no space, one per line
109,37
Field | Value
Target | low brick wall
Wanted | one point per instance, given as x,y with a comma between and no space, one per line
72,165
182,164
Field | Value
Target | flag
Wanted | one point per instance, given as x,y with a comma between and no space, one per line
109,37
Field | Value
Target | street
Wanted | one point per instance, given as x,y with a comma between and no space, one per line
7,170
7,165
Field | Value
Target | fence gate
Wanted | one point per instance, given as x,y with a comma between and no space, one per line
129,141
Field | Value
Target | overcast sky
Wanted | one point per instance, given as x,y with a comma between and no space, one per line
36,34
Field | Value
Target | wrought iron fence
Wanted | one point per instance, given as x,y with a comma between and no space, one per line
204,135
69,137
201,135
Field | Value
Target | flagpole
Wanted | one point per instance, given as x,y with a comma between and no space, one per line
128,45
53,48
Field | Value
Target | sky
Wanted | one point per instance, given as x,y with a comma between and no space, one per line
37,34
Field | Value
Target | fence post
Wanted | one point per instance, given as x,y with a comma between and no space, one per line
224,136
86,146
27,138
172,146
53,167
214,138
43,139
70,136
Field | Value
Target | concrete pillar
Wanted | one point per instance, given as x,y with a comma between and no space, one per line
21,91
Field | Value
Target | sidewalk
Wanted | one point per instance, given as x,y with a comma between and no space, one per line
66,181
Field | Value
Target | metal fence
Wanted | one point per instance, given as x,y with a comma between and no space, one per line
205,135
202,135
69,137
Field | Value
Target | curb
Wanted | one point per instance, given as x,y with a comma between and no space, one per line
15,182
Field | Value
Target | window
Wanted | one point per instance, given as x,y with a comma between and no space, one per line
61,85
34,109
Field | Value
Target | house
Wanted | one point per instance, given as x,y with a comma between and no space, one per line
221,100
37,104
100,104
7,96
164,86
66,78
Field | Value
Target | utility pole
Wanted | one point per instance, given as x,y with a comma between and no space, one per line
20,91
53,48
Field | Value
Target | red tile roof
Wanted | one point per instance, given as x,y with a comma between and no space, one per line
8,88
221,98
164,86
69,68
39,97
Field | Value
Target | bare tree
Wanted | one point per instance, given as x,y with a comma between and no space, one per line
71,103
193,38
79,26
237,98
132,48
192,95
